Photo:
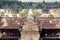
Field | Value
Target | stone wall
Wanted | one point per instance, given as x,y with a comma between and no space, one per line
29,29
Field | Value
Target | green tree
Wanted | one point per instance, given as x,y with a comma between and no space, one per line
50,15
2,14
34,6
23,13
36,13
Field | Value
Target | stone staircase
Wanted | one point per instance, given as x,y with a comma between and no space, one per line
30,29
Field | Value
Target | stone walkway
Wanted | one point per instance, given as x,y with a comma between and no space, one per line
30,29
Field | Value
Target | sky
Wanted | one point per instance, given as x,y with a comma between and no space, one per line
39,0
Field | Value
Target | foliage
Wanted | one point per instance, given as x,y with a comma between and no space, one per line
34,6
22,13
2,14
36,13
17,4
14,14
7,16
50,15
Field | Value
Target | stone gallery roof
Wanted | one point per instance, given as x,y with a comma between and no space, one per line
42,22
48,23
11,23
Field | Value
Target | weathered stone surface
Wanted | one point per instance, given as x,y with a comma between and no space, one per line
26,35
30,30
30,26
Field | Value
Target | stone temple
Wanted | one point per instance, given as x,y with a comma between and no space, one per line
29,27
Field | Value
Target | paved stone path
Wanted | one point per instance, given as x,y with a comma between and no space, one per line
30,29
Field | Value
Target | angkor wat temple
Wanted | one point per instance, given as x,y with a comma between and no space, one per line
30,27
16,28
